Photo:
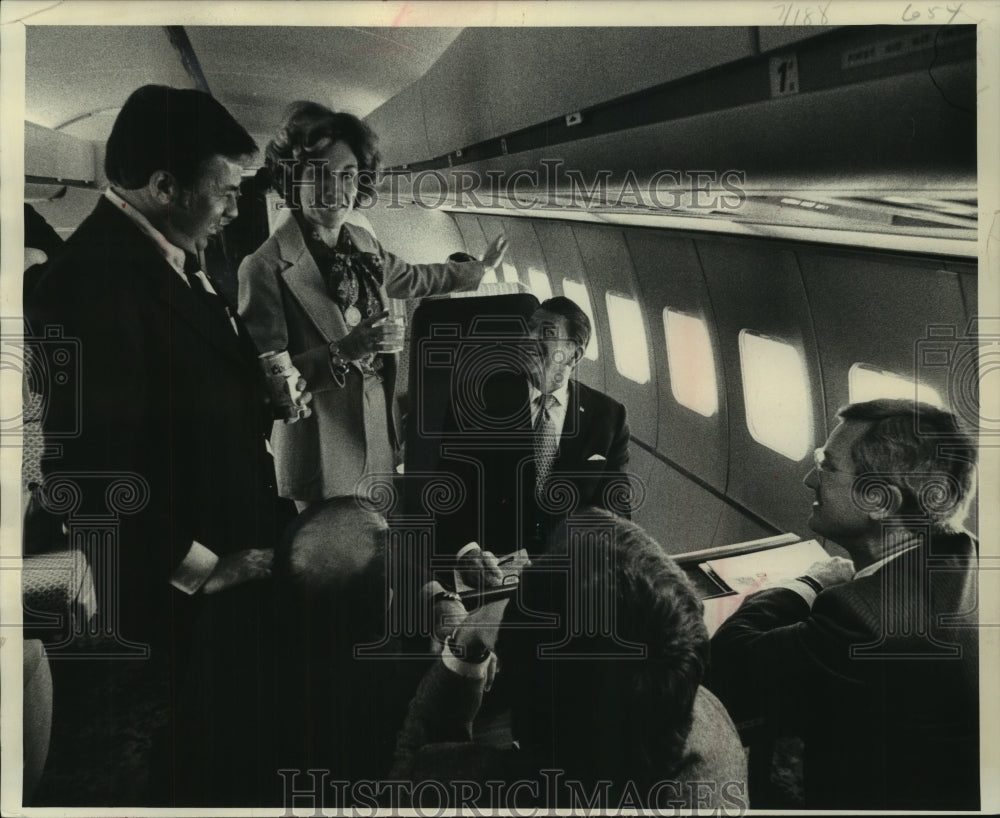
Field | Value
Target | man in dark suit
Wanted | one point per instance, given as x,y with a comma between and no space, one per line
601,655
531,448
171,405
875,664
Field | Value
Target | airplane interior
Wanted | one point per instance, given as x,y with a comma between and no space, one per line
763,224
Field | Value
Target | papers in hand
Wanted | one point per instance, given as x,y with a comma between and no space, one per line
751,572
739,576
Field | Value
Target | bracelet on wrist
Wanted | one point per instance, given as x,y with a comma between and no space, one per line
454,597
339,365
811,582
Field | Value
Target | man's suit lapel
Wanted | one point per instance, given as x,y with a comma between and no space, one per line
305,282
575,430
166,285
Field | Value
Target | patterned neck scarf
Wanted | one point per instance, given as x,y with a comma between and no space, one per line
352,279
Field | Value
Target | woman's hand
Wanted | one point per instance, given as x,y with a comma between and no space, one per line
495,253
374,334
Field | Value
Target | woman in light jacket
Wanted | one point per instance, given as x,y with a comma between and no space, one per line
318,288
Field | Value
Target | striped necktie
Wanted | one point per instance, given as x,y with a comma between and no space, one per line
546,443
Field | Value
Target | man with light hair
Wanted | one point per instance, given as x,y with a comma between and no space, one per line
874,664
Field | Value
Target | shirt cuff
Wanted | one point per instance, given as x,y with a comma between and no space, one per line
800,587
430,590
461,584
195,570
469,670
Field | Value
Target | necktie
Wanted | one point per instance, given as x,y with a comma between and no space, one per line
546,444
216,306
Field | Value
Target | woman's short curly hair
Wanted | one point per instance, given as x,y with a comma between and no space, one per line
307,130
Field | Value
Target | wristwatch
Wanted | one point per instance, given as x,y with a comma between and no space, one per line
338,365
812,582
460,653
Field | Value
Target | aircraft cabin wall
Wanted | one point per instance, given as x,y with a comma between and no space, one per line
778,323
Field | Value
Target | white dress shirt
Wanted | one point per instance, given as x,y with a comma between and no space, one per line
174,255
557,412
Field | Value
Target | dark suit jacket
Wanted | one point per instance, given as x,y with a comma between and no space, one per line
491,451
167,392
880,679
436,744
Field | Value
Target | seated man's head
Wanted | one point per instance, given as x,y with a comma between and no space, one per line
890,461
605,690
177,155
332,564
561,331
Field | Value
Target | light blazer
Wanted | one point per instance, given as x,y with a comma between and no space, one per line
285,304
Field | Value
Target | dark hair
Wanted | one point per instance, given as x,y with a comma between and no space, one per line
921,450
307,129
577,322
171,129
593,707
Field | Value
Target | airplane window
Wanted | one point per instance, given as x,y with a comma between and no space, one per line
691,363
489,278
867,382
776,393
508,272
539,282
577,292
628,337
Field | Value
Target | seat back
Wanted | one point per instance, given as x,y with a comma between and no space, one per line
455,344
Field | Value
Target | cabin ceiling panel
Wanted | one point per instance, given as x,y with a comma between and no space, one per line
53,154
774,37
914,137
455,93
257,71
536,74
401,129
75,71
89,71
495,80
